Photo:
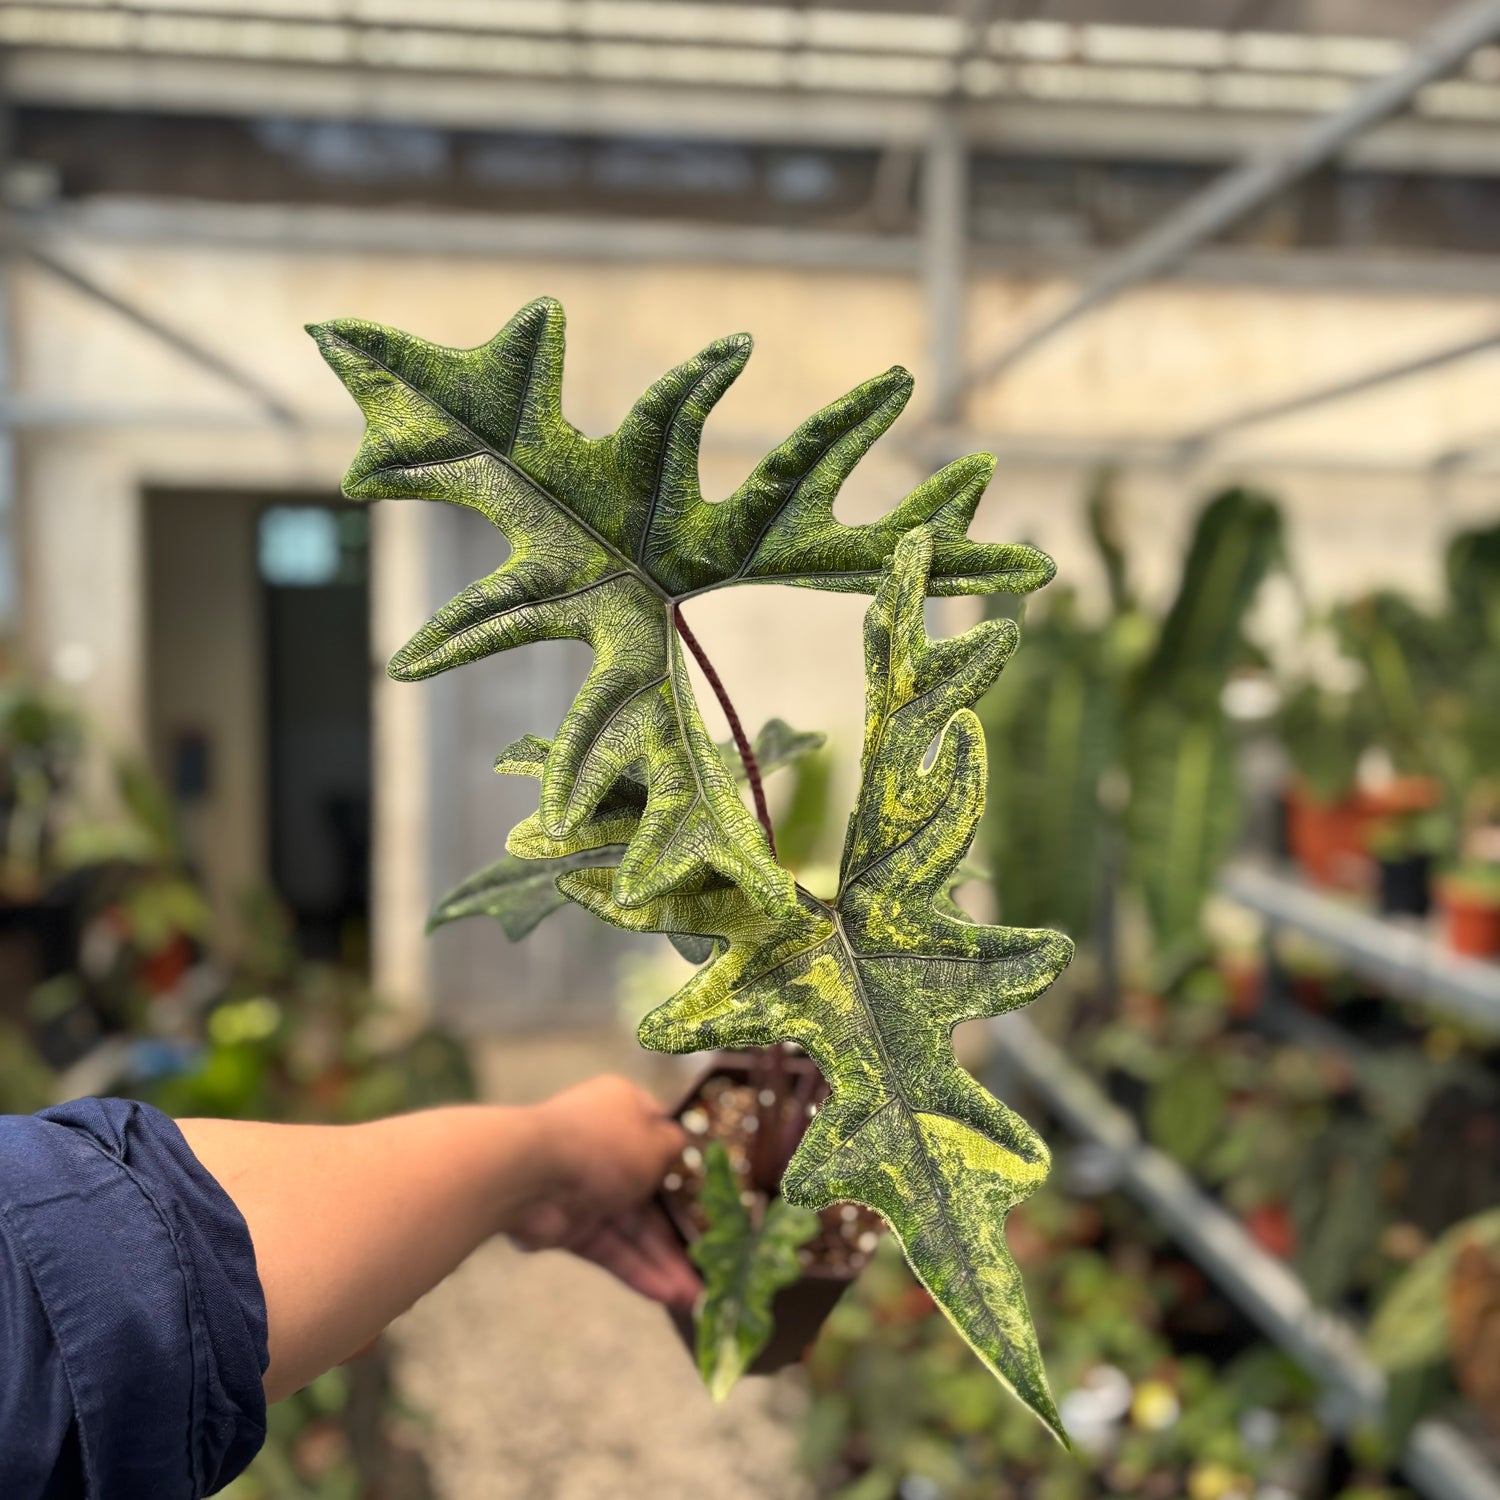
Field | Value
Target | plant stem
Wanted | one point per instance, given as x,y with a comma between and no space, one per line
741,742
768,1065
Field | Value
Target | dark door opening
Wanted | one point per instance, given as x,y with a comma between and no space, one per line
314,572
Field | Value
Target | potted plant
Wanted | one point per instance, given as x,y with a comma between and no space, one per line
1434,1328
1404,847
640,821
1324,733
1470,898
1115,765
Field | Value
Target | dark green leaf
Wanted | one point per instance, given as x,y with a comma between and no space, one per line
777,745
609,535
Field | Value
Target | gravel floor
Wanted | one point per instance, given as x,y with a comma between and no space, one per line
542,1379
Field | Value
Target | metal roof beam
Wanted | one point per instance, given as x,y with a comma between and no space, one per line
14,243
1194,444
1257,180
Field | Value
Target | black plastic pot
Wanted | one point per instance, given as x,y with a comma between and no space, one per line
1406,885
799,1310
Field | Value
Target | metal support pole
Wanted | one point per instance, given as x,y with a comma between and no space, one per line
1255,181
944,235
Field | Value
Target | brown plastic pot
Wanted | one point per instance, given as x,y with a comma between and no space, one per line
800,1310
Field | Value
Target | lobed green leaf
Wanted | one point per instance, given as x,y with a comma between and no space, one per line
873,983
608,535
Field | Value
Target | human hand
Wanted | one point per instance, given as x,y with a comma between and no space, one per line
607,1145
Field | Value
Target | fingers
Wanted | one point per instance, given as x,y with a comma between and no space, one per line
669,1138
640,1250
612,1144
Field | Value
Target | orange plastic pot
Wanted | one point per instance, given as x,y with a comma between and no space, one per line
1472,920
1330,840
1327,839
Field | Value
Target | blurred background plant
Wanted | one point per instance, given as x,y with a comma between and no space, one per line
129,995
1134,757
1114,758
1353,1137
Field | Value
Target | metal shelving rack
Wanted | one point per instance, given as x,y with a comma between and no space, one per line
1438,1460
1404,960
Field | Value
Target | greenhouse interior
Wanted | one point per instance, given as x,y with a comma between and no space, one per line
1176,553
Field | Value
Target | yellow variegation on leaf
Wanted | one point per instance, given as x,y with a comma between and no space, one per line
872,984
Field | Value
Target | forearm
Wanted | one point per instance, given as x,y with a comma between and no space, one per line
352,1224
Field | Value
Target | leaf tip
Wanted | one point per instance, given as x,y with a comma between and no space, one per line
436,918
544,307
897,378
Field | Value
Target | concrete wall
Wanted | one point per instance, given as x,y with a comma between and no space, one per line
127,415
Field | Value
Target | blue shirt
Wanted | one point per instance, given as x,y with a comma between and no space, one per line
132,1322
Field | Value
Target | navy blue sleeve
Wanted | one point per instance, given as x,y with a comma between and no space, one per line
132,1322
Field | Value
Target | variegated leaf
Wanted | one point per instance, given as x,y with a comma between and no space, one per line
744,1265
609,535
872,984
520,892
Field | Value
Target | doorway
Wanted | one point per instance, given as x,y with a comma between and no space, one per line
259,686
315,576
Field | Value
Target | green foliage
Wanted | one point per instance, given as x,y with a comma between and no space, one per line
1184,806
609,535
1424,687
1475,880
1325,731
1183,816
898,1407
25,1080
1104,528
744,1265
1473,569
40,739
872,984
1115,733
777,745
1410,1327
1056,729
520,892
805,827
1406,655
641,821
1185,1110
1236,541
1471,713
294,1041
